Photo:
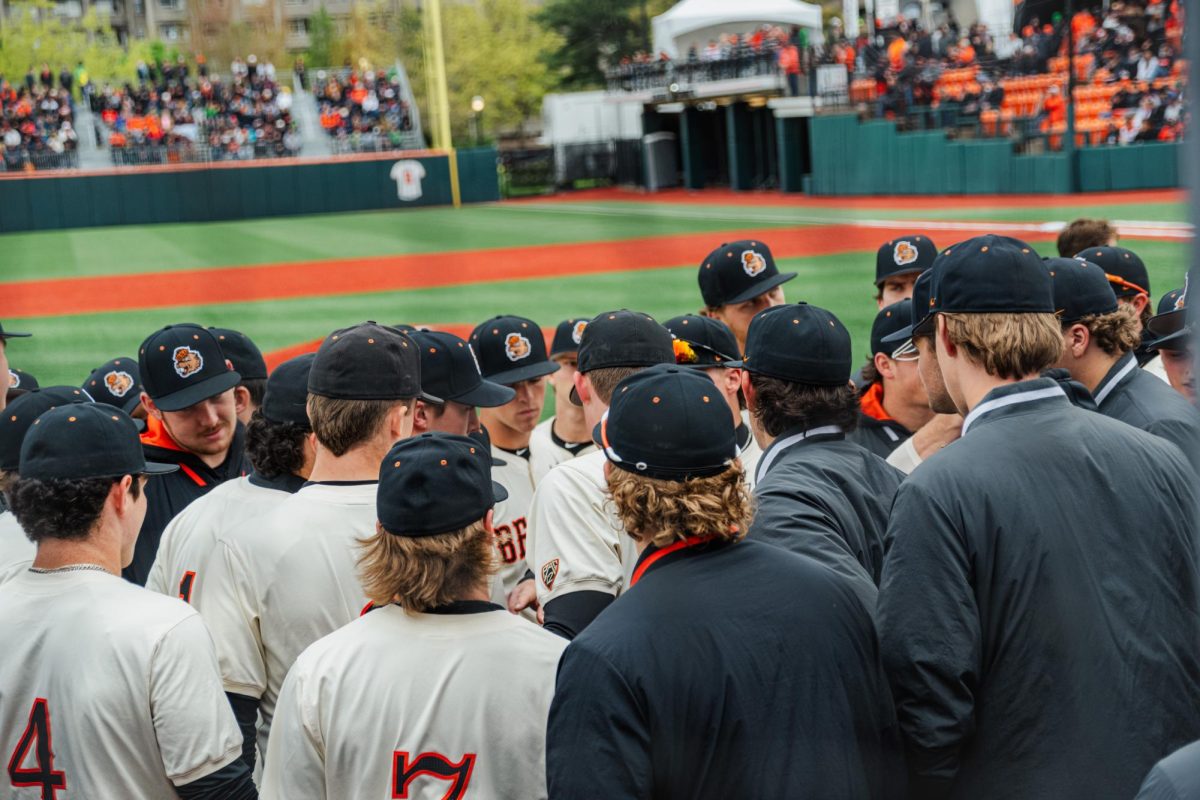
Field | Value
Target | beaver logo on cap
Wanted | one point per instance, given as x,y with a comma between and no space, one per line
118,383
14,380
577,331
904,253
516,347
549,573
187,361
753,262
1180,302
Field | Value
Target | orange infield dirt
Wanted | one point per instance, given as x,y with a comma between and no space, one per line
108,293
730,197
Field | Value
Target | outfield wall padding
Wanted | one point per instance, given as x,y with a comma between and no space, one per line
213,192
851,157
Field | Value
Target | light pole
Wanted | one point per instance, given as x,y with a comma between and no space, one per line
476,114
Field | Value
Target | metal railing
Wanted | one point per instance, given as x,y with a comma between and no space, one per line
635,77
187,153
23,160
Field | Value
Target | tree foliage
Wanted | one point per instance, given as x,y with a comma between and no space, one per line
494,49
594,34
33,35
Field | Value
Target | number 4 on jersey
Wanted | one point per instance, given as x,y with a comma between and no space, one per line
435,765
36,739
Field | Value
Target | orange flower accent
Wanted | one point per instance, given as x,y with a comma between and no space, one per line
684,354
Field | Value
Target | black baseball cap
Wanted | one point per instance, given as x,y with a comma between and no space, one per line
798,343
702,341
181,365
511,349
367,361
484,438
12,334
904,254
1080,289
567,336
991,274
667,422
1123,267
286,398
85,441
890,319
243,353
623,338
435,483
20,379
19,415
117,382
739,271
448,370
921,316
1169,329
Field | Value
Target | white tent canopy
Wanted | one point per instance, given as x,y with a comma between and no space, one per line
698,21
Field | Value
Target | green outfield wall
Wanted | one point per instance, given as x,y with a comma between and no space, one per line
851,157
246,190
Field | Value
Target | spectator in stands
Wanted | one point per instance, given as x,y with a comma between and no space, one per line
364,111
36,126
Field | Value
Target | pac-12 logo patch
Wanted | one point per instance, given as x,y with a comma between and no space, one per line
550,572
753,262
118,383
14,380
516,347
577,331
904,253
187,361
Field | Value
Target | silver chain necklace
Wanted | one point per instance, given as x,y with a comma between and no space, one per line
69,568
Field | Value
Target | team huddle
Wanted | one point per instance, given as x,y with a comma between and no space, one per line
727,565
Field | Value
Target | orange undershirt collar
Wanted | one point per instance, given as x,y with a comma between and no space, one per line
871,403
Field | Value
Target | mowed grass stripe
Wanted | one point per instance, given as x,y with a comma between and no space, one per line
126,250
65,349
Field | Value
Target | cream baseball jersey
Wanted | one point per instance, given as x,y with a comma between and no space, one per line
415,706
106,691
189,538
545,453
577,541
277,584
510,518
15,547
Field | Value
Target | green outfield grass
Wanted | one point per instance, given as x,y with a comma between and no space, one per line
65,349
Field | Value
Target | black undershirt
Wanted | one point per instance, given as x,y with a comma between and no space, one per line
338,483
571,447
521,452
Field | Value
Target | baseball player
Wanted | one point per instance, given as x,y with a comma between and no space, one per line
946,424
512,352
188,392
816,493
4,337
247,361
450,724
1023,590
892,402
1080,234
678,689
280,446
1099,337
707,344
118,383
276,584
1131,282
898,262
109,690
1170,334
449,371
565,435
16,549
581,556
1176,777
738,280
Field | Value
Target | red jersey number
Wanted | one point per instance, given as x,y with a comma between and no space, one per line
434,765
36,740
